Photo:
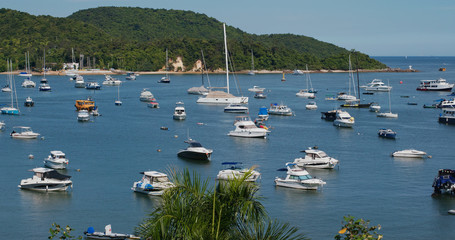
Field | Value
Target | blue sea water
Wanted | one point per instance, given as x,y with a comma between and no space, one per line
112,149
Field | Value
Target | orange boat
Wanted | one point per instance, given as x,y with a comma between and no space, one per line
88,105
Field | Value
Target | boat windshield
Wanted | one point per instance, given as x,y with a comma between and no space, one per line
305,177
195,144
161,179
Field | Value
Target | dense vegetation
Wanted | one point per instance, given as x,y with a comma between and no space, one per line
136,39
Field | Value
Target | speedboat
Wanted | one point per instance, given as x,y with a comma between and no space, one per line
28,83
29,102
311,106
297,177
246,128
256,89
444,182
23,133
280,109
110,81
83,116
260,95
263,114
130,76
153,104
92,86
435,85
44,87
315,158
46,179
374,107
234,170
410,153
107,234
377,85
387,133
236,108
146,96
57,160
6,89
195,151
305,93
447,117
179,111
343,119
79,83
152,183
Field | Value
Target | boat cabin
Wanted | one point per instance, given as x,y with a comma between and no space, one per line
314,154
88,105
57,155
43,173
154,176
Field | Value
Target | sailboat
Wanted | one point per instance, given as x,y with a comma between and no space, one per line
11,110
221,97
27,72
348,96
166,78
200,90
118,102
388,114
308,92
251,72
44,80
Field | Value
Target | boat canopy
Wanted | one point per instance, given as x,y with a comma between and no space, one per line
263,111
230,163
50,173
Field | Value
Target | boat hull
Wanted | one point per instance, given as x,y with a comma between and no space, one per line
195,155
46,187
345,124
447,120
234,100
248,134
297,185
179,117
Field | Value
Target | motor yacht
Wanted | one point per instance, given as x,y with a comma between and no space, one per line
447,117
343,119
79,82
315,158
280,109
387,133
44,87
146,96
263,114
83,116
446,104
256,89
92,86
28,83
23,133
57,160
29,102
111,81
246,128
234,170
47,180
444,182
195,151
376,85
179,111
435,85
311,106
152,183
236,108
297,177
260,95
410,153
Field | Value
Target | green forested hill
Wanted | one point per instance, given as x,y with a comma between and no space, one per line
136,39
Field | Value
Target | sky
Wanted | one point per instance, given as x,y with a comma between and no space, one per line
376,28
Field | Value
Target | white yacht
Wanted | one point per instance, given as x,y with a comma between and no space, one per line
83,116
447,104
6,88
374,107
146,95
263,114
23,133
179,111
131,76
44,87
152,183
299,178
311,106
435,85
246,128
110,81
410,153
28,83
305,93
220,97
234,170
92,86
256,89
376,85
343,119
315,158
280,109
195,151
29,102
47,180
236,108
388,114
309,91
79,83
57,160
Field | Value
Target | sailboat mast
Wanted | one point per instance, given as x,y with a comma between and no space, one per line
252,61
167,66
10,80
226,55
390,104
44,62
307,75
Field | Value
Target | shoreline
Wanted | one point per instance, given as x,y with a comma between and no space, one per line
121,72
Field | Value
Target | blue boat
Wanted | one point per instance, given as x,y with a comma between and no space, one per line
263,114
387,133
444,182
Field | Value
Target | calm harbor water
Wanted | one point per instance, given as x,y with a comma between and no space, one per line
111,150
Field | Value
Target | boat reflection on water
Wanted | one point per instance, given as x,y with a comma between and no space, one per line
45,201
